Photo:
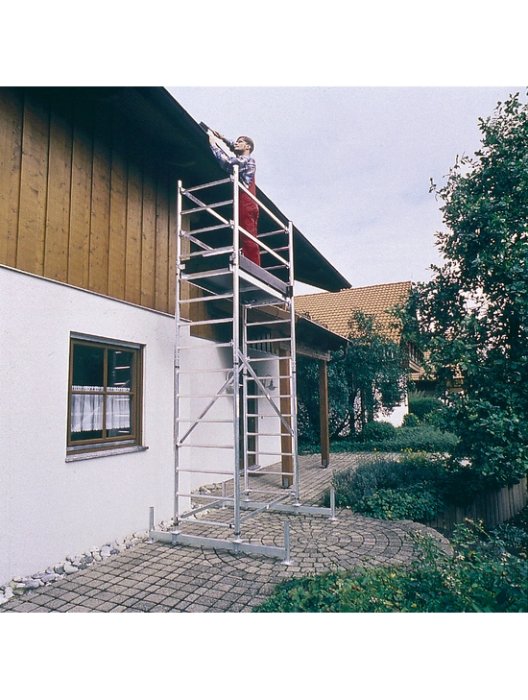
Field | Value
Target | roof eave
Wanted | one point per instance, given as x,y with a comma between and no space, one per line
310,266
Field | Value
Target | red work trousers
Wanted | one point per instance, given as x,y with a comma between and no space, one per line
248,214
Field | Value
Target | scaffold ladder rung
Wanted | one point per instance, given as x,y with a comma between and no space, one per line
212,343
205,396
206,207
209,496
261,415
266,395
267,234
207,185
206,229
223,370
209,297
268,323
206,446
203,420
208,253
263,341
194,470
189,277
271,454
210,321
251,360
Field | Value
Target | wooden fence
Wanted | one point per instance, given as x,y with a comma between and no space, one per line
492,508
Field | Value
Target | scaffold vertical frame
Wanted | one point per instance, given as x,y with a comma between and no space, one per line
260,306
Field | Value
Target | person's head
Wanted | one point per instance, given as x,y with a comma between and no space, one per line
244,145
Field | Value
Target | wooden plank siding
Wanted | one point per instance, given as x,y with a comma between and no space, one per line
33,185
148,238
58,198
162,281
100,206
80,198
84,199
118,213
11,116
133,231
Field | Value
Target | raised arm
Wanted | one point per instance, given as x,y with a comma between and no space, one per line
246,164
230,144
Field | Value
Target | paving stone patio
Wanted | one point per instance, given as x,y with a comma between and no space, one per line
155,577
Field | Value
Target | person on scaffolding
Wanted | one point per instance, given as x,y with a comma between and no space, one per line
248,210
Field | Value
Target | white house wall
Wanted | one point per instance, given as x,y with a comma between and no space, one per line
205,368
397,414
52,507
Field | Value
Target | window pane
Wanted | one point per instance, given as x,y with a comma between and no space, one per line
86,416
120,368
88,366
118,413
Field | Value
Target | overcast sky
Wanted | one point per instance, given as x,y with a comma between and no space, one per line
351,166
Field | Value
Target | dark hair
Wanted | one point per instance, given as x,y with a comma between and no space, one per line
249,142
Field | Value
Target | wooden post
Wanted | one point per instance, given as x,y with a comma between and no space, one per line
286,439
324,413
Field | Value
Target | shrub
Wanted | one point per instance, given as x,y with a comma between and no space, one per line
421,404
421,438
481,576
515,539
417,486
389,488
418,502
440,418
514,534
521,519
411,420
307,448
377,431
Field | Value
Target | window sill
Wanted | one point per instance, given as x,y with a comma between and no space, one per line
105,453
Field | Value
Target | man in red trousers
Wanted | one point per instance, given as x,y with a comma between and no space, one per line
248,211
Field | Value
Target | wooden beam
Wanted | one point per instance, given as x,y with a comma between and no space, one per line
308,351
324,413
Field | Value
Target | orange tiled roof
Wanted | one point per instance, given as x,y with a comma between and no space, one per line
334,309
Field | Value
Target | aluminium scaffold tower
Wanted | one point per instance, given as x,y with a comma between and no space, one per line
245,366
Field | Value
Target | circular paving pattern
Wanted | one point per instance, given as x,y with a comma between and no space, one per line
156,577
317,543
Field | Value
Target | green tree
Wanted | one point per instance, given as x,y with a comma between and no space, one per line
308,397
368,379
375,370
473,314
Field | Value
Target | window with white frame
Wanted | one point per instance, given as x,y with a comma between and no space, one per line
104,395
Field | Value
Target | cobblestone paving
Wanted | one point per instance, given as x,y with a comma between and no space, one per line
154,577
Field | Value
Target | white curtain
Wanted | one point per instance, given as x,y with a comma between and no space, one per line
118,408
87,409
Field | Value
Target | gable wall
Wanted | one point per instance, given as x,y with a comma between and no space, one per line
83,199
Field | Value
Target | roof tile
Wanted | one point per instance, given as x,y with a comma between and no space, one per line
334,309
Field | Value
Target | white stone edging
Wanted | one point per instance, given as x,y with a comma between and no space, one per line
74,563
